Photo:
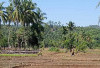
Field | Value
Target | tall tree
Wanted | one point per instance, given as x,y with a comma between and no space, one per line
69,37
9,11
3,16
28,15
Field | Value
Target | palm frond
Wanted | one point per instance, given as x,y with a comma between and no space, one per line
98,5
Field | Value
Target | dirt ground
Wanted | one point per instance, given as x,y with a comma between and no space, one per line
91,59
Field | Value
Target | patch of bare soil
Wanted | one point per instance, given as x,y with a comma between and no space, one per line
61,66
54,60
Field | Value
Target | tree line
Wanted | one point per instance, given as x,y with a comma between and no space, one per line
22,26
71,36
22,22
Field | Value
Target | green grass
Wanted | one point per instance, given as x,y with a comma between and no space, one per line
55,49
34,55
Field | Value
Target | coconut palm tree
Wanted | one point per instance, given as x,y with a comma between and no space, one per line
9,11
27,14
3,16
70,26
15,4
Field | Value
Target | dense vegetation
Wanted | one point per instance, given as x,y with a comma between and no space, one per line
22,26
71,37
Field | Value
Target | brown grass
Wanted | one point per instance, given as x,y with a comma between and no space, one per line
90,59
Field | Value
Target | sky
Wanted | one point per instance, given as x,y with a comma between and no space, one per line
81,12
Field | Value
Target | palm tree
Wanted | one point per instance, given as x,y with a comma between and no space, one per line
15,5
9,11
99,17
27,14
3,16
69,35
70,26
98,5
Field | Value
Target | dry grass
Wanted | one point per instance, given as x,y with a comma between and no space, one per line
9,55
90,59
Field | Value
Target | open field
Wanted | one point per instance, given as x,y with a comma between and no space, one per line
10,55
91,59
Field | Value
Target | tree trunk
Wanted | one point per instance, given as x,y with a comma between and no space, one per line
17,24
23,24
9,35
9,39
72,51
0,23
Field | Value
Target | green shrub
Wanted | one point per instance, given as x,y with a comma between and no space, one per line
40,54
35,47
81,47
55,49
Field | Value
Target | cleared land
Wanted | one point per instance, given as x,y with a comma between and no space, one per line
91,59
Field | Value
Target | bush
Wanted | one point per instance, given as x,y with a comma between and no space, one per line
55,49
81,47
35,47
40,54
